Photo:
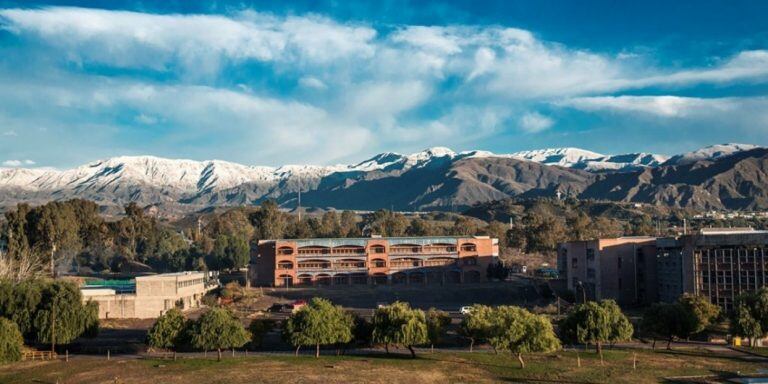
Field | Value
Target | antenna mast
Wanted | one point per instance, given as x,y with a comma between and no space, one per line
298,208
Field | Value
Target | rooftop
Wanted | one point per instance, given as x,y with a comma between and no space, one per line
362,241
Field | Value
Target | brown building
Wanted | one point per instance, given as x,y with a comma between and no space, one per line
374,260
621,269
723,263
717,263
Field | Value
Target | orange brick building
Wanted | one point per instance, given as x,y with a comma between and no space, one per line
374,260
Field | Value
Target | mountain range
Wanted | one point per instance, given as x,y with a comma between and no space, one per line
727,176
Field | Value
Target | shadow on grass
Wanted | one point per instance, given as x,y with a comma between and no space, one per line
700,353
715,376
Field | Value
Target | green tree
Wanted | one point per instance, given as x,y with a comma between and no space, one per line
167,330
258,329
11,341
268,221
621,328
437,321
387,223
348,224
329,225
700,313
318,323
400,324
476,325
518,331
60,317
420,227
218,329
596,323
750,315
666,321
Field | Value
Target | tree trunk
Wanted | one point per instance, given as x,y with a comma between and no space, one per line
599,347
317,350
53,324
218,354
297,350
432,348
471,344
386,347
669,343
413,353
495,351
520,359
174,355
654,344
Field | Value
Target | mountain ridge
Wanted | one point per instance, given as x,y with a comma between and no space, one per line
435,178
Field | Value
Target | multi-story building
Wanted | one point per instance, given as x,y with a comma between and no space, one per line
722,263
717,263
620,269
149,296
374,260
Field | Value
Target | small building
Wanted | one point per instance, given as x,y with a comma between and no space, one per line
373,260
151,295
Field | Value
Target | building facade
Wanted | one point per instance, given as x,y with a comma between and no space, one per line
621,269
717,263
374,260
153,295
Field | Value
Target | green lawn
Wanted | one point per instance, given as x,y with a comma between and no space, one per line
480,367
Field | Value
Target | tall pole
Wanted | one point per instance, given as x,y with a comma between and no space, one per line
298,208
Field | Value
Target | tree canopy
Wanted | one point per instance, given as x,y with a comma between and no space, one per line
518,331
218,329
318,323
167,330
11,341
400,324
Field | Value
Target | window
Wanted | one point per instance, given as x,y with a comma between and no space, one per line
591,273
590,254
377,249
619,262
574,262
379,263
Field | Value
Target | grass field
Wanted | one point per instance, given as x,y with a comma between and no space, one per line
475,367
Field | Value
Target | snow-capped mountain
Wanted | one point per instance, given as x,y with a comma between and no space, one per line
712,152
155,180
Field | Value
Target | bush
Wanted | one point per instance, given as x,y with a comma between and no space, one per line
259,328
11,341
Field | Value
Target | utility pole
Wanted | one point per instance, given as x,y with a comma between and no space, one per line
298,207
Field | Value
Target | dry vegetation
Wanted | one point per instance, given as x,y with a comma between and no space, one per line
428,368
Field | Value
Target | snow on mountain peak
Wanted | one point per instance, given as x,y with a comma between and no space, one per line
564,157
711,152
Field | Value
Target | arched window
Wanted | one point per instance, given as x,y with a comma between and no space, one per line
469,247
378,263
285,251
378,249
285,265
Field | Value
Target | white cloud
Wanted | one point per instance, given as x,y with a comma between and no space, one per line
17,163
199,42
312,82
534,122
146,119
665,106
10,133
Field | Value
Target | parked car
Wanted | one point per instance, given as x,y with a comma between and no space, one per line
465,310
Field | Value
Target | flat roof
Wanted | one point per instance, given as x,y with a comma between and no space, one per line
170,275
362,241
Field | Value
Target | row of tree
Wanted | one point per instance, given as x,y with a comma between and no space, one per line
46,312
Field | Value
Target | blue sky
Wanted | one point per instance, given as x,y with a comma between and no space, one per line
269,83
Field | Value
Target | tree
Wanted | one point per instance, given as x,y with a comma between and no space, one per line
318,323
268,221
518,331
750,315
329,225
60,317
700,313
11,341
167,330
258,328
218,329
596,323
348,224
476,325
665,320
621,328
399,324
437,320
